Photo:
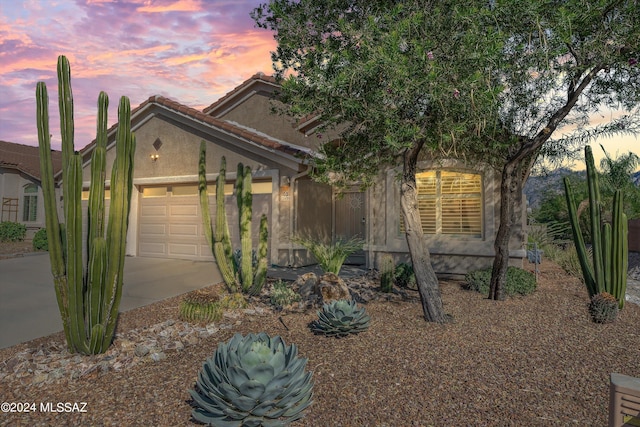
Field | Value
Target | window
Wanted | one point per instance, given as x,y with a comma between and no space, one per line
450,203
30,203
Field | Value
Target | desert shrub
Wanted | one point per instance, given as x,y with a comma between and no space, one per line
404,276
519,281
282,294
40,242
330,256
603,308
12,231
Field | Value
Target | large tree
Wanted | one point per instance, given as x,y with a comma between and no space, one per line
399,79
563,62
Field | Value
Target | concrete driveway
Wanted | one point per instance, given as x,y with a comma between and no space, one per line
28,307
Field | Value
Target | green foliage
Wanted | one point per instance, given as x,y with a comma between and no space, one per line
201,306
282,295
603,308
12,231
397,74
404,276
88,294
330,256
519,281
387,270
245,269
608,270
40,242
253,380
341,318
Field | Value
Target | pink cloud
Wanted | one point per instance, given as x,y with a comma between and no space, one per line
178,6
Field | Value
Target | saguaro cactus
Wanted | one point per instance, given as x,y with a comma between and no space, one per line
608,271
246,272
88,296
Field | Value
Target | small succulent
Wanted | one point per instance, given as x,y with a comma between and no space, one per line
200,306
282,294
341,318
252,380
603,308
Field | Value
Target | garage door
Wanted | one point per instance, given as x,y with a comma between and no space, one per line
170,222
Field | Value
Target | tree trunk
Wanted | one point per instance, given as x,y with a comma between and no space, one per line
426,279
508,187
514,174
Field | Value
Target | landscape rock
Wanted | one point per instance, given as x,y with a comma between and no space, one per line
333,288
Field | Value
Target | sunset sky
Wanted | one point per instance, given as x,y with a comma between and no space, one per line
192,51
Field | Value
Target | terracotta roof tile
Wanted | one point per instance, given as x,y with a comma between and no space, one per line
26,158
237,131
212,121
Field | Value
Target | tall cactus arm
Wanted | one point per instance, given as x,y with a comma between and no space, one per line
261,269
98,172
620,254
52,222
118,219
587,271
222,240
75,274
596,222
202,192
95,216
65,105
216,247
245,201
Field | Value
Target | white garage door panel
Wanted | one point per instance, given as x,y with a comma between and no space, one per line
153,249
153,229
177,249
156,211
170,225
189,230
185,211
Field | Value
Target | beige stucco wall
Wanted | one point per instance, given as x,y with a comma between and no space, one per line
450,254
12,184
256,113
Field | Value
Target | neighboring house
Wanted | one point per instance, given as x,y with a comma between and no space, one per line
20,188
459,203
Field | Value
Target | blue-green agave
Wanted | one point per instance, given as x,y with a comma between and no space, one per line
253,380
341,318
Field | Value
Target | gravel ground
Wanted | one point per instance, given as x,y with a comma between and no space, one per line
529,361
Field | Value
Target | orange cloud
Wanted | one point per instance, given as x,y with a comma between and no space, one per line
179,6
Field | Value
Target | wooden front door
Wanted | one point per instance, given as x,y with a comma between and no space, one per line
350,221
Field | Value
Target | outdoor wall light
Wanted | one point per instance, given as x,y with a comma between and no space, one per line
155,157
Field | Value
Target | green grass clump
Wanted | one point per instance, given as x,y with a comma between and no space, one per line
519,281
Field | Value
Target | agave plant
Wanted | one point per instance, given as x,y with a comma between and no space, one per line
341,318
252,380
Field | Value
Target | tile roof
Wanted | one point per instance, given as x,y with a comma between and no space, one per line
199,116
26,158
255,78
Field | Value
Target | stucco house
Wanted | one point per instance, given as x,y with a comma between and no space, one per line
459,203
20,189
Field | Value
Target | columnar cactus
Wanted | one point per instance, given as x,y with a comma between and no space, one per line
387,269
239,273
88,296
608,271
